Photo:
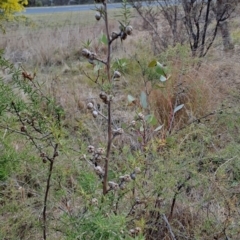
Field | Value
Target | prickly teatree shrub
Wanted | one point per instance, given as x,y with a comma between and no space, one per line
138,173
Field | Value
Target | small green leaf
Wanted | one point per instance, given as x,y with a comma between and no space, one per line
141,129
160,69
98,67
131,99
163,78
151,119
159,86
152,64
178,108
143,100
158,128
104,39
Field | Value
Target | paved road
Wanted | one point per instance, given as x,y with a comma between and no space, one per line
59,9
76,8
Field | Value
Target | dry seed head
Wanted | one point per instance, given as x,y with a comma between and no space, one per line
91,149
90,105
129,30
116,74
98,16
95,114
44,160
86,53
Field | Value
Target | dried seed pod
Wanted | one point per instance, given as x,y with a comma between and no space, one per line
98,16
86,53
116,74
100,151
118,131
122,186
127,178
137,230
92,56
137,170
23,128
94,202
133,123
90,105
137,200
113,185
97,158
95,113
132,232
99,171
91,149
140,116
56,154
103,96
123,36
129,30
133,176
42,155
114,35
44,160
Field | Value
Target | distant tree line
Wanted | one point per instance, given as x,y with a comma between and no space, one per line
39,3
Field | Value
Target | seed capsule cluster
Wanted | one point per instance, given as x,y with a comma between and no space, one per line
125,31
89,55
124,180
105,98
135,231
97,154
118,131
90,106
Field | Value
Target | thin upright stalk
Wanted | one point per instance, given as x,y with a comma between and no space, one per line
109,139
51,160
